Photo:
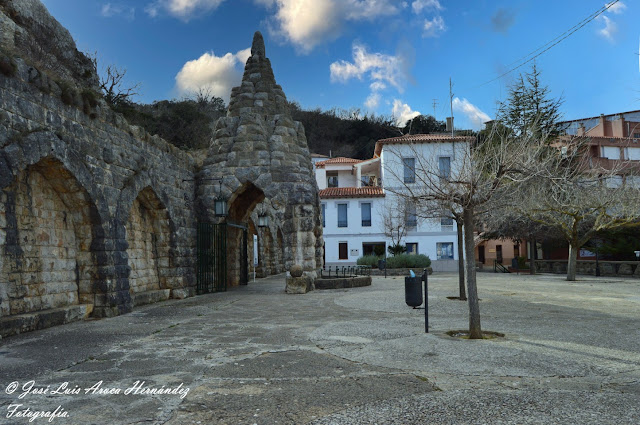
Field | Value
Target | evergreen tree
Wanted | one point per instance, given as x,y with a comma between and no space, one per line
529,109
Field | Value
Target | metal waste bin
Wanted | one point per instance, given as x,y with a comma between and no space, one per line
413,291
382,264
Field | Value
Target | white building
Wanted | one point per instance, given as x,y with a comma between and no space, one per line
354,200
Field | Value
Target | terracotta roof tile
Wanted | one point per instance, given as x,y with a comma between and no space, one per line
352,192
409,138
337,160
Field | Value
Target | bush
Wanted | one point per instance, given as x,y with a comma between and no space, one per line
397,249
68,93
522,262
369,260
378,250
408,261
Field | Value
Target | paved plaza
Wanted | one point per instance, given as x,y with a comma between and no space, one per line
254,355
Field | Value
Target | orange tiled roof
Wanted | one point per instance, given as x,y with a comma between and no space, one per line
337,160
409,138
352,192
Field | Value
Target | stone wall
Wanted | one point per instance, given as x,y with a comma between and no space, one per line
588,267
97,216
71,186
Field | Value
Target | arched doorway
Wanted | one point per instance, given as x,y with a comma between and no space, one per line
47,230
241,204
148,239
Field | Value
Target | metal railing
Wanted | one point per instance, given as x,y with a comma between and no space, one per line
344,271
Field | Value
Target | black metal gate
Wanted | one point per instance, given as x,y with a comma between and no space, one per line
211,272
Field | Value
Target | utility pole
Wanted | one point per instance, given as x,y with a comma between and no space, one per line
435,103
451,103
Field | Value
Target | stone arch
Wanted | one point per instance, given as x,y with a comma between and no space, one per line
241,205
149,238
50,226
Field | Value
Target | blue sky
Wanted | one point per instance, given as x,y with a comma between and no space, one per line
382,56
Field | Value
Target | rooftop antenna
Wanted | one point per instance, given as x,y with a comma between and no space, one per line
435,103
451,103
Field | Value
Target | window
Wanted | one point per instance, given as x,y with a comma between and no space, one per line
368,181
636,135
446,224
411,218
444,167
332,179
412,248
343,251
444,250
324,215
342,215
365,208
409,170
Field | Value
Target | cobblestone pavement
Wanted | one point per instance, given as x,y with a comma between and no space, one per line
254,355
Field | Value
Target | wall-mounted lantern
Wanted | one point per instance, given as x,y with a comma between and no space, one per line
263,218
220,203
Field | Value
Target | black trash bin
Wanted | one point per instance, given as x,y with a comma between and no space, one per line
514,263
413,291
382,264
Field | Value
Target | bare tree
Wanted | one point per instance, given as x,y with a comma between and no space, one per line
474,175
580,195
112,84
397,219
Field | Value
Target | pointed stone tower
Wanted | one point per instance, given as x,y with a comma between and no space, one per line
262,157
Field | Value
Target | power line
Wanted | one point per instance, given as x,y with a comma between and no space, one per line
544,48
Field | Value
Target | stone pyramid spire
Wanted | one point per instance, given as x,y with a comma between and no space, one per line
261,157
258,92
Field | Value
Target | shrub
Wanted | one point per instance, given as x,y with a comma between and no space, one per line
378,250
68,93
408,261
522,262
369,260
397,249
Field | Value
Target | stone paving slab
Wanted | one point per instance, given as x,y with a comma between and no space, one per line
255,355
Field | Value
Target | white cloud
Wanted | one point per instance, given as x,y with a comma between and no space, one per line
110,10
381,68
610,28
617,8
182,9
373,100
377,86
472,112
216,73
402,112
420,5
307,23
433,27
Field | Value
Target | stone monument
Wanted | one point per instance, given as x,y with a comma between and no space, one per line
259,161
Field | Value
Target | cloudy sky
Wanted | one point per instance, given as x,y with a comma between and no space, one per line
388,57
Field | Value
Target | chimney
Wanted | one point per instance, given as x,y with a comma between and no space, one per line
449,124
581,129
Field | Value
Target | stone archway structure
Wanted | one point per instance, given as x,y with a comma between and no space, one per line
148,236
241,205
258,145
48,228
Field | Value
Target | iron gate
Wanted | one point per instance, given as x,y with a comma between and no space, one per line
211,273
